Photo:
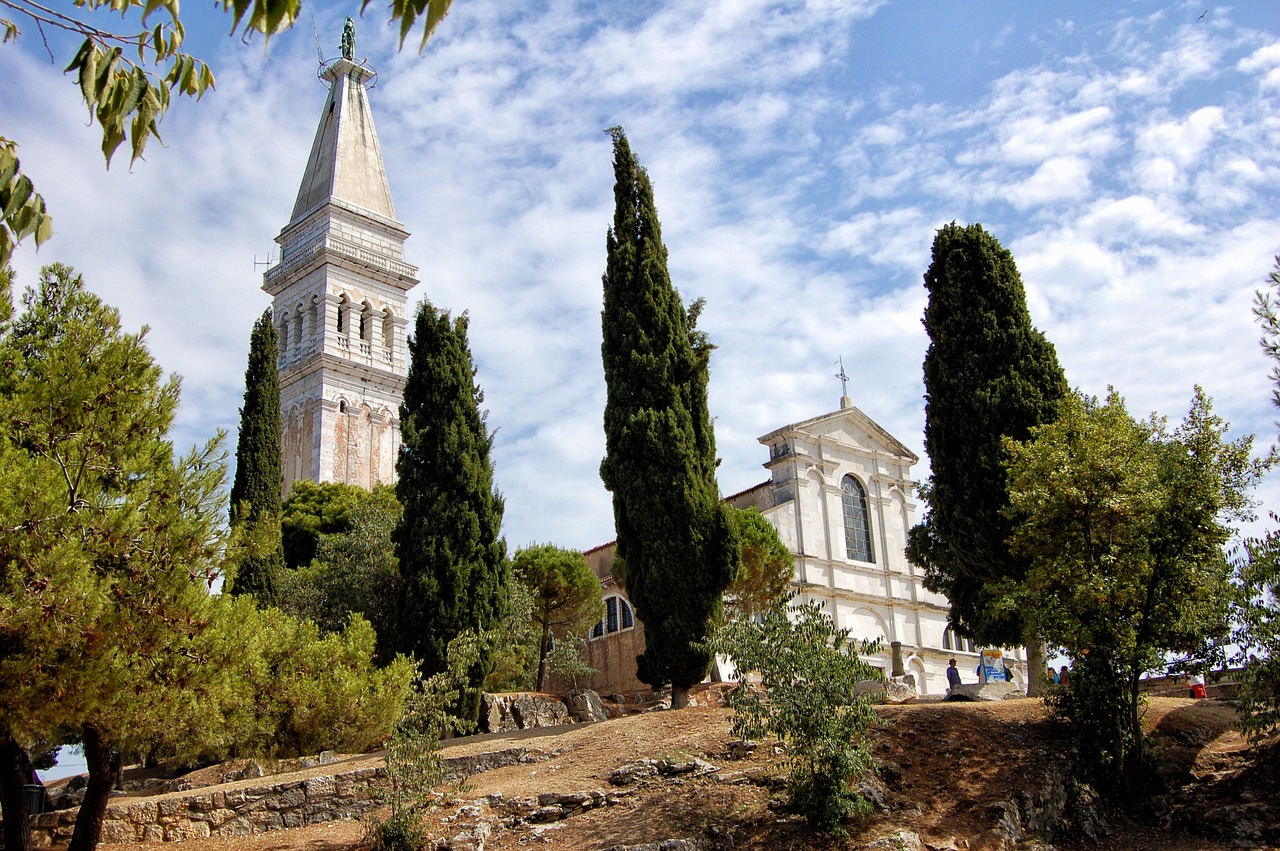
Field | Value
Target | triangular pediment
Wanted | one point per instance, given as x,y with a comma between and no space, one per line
848,426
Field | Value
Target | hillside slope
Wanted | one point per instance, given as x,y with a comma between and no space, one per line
955,775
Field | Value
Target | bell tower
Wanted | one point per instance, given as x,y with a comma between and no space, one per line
339,292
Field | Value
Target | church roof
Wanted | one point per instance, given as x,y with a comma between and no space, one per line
346,159
824,421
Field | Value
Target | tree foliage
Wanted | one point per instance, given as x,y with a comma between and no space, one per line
272,685
808,671
108,543
453,566
1258,616
766,569
1123,524
23,208
516,643
566,595
289,690
567,661
354,572
316,509
127,100
677,547
988,375
259,478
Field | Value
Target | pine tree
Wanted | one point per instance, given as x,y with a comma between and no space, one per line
988,375
677,549
255,492
566,596
453,566
107,541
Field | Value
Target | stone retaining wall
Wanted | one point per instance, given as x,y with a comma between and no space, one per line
197,814
233,812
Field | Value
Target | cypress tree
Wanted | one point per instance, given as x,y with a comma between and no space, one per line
988,374
677,549
453,566
259,479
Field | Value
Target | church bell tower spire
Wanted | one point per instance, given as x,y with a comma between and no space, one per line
339,294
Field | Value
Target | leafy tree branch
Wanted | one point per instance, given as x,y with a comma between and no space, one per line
127,99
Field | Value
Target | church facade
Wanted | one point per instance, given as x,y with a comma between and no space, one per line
841,496
339,295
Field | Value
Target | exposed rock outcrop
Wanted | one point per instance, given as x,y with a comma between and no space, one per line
985,691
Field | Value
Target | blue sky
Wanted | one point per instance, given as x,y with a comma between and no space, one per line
803,154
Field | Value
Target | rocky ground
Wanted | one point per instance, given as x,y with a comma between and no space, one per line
955,776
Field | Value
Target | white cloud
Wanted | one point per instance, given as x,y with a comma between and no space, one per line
1056,179
1265,63
1181,141
1038,138
1130,164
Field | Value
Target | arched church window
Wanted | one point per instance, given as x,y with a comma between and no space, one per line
366,322
857,526
344,308
313,319
951,641
283,336
617,618
388,329
297,328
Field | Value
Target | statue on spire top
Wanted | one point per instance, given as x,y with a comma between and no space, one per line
349,39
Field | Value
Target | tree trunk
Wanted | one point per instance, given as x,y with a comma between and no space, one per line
1036,666
1135,767
679,696
542,654
13,797
103,770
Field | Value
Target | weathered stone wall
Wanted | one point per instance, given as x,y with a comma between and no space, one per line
248,809
232,812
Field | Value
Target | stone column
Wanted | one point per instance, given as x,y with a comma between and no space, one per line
897,670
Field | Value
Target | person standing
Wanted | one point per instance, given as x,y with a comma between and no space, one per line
953,675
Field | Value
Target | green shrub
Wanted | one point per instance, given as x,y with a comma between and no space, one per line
809,671
413,751
403,831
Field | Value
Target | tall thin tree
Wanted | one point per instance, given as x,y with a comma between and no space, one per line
453,565
677,546
988,375
259,479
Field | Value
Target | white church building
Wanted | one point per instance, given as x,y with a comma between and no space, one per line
841,496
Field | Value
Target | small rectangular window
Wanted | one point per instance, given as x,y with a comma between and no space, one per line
611,613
